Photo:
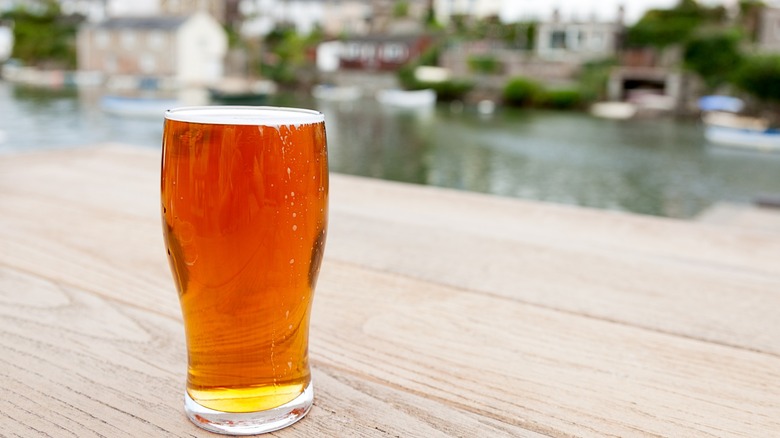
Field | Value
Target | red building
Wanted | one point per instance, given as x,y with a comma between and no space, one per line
382,52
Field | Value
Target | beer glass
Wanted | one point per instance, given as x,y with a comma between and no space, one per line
244,206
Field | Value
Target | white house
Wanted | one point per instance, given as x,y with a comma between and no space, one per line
6,41
577,41
769,30
476,9
262,16
187,49
334,17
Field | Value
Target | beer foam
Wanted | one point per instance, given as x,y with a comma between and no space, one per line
245,115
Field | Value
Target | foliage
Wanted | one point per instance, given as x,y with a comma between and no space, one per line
664,27
43,36
560,99
713,56
520,35
593,78
285,54
759,75
406,73
401,9
488,64
452,89
521,91
750,17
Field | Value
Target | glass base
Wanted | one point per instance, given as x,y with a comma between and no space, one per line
249,423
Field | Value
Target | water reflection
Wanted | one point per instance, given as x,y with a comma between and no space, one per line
658,167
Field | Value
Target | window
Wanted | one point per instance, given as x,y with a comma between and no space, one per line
128,39
147,63
101,39
597,41
155,40
394,52
110,64
558,39
367,51
352,51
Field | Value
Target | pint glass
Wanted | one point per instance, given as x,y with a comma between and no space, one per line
244,206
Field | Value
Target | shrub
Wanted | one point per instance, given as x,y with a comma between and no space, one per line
488,64
561,99
520,91
760,76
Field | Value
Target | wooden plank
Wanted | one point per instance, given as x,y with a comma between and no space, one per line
421,316
77,364
553,372
717,286
398,356
518,365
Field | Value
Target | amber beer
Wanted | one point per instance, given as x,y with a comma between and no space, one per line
244,206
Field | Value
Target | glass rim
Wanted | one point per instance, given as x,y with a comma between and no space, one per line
244,115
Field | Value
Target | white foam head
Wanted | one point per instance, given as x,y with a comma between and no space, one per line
245,115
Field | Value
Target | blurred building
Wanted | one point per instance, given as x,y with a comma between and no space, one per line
183,49
381,52
6,40
333,17
445,10
578,41
768,38
260,17
225,11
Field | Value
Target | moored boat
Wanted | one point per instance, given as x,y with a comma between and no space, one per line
614,110
733,130
407,98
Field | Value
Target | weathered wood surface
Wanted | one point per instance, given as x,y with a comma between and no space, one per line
438,313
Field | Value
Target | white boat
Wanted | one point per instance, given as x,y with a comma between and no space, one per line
407,99
740,131
336,93
614,110
137,106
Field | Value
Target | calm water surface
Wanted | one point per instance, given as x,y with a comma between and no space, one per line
657,167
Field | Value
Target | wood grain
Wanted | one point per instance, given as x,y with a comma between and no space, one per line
438,313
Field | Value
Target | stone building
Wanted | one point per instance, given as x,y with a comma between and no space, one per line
188,50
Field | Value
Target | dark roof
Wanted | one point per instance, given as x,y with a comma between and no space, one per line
150,22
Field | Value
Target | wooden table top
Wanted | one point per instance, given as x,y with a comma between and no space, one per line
437,313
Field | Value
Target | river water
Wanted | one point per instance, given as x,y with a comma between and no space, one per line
659,167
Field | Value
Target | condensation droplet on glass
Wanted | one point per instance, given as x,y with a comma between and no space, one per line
289,365
295,227
287,314
288,172
295,214
292,194
292,261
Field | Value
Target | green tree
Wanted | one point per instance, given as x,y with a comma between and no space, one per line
43,36
285,55
713,56
759,75
665,27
